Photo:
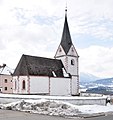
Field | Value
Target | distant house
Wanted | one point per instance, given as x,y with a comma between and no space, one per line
6,84
58,76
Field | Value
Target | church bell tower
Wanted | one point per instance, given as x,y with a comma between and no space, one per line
67,53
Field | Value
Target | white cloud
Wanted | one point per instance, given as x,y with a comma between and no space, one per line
97,60
35,27
92,17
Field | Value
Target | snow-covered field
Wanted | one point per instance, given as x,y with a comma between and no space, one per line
53,107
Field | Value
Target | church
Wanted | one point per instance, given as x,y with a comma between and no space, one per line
45,76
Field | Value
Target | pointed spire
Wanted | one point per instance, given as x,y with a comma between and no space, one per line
66,11
66,41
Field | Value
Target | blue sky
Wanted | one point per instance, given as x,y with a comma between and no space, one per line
34,27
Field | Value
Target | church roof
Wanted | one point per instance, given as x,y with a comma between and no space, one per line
66,41
39,66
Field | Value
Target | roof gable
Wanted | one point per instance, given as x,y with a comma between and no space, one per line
59,52
38,66
72,51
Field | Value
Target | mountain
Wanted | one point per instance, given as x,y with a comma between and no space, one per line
86,77
101,90
106,81
101,86
92,84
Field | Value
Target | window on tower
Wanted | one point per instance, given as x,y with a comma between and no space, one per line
72,62
23,85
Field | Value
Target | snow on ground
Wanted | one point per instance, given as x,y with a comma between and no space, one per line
43,106
44,97
53,107
50,105
91,109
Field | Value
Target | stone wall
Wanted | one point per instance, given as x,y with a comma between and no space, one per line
74,100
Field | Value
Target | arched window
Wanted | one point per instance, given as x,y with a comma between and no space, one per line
72,62
23,85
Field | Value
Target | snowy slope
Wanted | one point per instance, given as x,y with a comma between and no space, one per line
86,77
107,81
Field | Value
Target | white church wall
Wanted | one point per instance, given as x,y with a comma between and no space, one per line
46,85
59,86
15,84
21,79
64,60
74,85
72,68
39,85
